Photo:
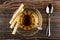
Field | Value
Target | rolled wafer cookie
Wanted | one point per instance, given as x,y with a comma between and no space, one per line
16,13
15,28
13,23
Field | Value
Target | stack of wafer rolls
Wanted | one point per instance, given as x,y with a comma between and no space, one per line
13,22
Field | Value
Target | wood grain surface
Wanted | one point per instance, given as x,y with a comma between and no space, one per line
7,9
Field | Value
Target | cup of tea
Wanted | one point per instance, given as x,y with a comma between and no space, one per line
30,22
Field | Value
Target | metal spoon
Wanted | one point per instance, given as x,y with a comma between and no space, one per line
49,10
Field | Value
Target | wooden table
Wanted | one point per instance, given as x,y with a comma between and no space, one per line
8,8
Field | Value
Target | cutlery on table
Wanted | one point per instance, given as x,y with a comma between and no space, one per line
49,11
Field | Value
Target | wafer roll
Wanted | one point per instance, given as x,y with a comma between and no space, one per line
15,17
17,13
13,23
15,28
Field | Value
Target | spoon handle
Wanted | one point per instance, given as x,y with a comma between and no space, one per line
48,33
